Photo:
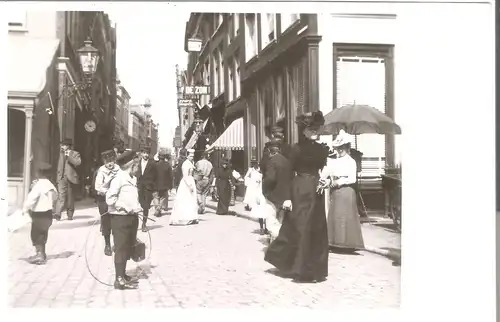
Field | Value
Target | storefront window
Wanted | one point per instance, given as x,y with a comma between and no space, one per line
15,156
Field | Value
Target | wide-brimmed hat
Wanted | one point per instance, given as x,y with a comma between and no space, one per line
108,156
341,139
191,151
126,157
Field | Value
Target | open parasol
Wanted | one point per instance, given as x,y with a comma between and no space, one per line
358,119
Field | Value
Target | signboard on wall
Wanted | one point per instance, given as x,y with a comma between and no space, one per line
194,45
185,103
197,90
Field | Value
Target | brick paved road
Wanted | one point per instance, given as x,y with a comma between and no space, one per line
216,264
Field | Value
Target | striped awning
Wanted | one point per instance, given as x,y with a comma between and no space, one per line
233,137
194,137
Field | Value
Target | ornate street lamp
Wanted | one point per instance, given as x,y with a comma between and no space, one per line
89,58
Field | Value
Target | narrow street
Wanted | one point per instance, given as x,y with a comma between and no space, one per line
216,264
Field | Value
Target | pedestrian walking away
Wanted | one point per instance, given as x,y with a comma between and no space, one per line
67,179
164,182
301,248
203,178
40,204
122,199
185,210
105,174
223,181
146,182
276,187
344,227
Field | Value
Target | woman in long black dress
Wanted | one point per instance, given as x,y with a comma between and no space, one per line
224,177
301,248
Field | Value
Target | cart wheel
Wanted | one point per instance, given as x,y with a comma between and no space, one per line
396,208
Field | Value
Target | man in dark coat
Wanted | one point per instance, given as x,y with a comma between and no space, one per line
277,178
146,183
285,149
164,182
67,179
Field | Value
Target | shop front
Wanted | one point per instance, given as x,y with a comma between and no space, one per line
280,91
32,129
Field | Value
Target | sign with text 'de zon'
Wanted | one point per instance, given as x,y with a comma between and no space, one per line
197,90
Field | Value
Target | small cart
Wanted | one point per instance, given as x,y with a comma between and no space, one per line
391,184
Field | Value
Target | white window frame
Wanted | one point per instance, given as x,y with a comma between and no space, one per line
231,78
221,71
266,29
287,20
17,19
251,44
216,73
236,24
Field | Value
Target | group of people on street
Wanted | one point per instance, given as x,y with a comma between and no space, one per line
285,192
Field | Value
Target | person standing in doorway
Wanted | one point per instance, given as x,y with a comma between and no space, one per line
146,183
105,174
203,178
67,179
164,182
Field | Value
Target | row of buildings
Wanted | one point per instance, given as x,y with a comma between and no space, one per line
51,97
264,69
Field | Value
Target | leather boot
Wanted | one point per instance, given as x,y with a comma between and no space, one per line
144,227
44,254
70,215
122,284
107,250
38,260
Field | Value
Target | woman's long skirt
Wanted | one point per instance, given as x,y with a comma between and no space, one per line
301,248
344,227
224,193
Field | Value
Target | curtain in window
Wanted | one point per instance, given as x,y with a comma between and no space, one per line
251,36
279,97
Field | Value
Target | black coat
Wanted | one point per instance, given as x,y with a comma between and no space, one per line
164,179
277,180
286,151
147,180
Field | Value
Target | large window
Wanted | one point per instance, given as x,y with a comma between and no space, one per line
251,40
287,20
216,73
268,27
236,23
362,78
221,70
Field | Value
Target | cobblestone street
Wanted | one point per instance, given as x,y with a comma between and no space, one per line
216,264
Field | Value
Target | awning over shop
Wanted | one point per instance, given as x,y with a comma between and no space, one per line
28,60
233,137
194,137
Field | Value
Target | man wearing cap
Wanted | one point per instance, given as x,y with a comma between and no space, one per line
67,179
277,132
164,181
105,174
204,177
123,206
277,184
146,183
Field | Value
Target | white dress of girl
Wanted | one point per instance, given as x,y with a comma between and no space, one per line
185,210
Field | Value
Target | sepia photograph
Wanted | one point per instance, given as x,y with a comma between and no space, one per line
187,158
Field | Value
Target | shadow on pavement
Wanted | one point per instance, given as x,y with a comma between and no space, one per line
277,272
154,227
390,227
340,251
394,254
66,254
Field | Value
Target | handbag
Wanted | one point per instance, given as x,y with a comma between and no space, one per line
138,251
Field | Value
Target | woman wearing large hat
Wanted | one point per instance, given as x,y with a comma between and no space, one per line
301,248
344,227
223,181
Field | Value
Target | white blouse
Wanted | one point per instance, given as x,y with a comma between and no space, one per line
341,171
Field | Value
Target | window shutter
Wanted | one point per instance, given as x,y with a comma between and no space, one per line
345,84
